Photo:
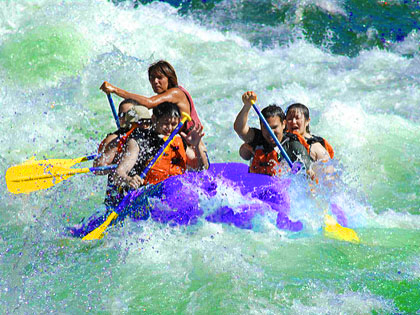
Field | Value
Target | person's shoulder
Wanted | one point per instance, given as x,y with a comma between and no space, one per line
257,137
112,135
291,140
107,140
177,96
290,137
185,94
315,139
176,91
140,133
182,89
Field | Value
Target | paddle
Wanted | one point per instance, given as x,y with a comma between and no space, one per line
334,230
267,126
114,112
34,175
98,232
61,162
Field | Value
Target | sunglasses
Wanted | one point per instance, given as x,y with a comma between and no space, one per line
122,114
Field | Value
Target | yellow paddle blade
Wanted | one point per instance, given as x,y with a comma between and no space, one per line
334,230
57,162
97,233
30,177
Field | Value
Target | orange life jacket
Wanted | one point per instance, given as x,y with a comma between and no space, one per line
172,162
307,143
263,163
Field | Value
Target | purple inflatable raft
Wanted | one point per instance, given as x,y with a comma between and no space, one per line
185,199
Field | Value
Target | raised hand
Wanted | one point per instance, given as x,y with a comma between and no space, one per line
194,136
249,96
108,88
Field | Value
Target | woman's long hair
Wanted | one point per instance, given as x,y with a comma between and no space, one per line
167,70
302,108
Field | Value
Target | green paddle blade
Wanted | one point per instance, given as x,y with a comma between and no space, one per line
32,176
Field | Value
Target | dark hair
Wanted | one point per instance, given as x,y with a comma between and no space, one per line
167,70
272,111
299,107
166,109
127,101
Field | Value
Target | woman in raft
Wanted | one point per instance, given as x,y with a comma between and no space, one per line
132,117
164,82
297,122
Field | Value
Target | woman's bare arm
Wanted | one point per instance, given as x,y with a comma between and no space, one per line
174,95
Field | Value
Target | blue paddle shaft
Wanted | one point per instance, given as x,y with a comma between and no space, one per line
114,112
103,168
267,126
91,157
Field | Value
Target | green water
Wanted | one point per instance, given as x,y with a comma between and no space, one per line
44,54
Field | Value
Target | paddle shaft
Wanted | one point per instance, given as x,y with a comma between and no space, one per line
114,112
89,157
267,126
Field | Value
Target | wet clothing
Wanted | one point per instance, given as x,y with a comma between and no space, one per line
267,157
308,142
324,143
172,162
114,193
193,112
119,133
